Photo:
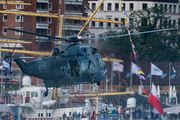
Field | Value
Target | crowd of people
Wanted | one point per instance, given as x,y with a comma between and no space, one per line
10,116
75,116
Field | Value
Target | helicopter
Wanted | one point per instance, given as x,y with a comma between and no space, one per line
70,63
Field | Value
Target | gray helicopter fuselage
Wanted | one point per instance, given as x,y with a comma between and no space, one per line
69,64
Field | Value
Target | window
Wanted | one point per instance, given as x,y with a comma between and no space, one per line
19,18
109,24
49,32
144,6
32,94
179,23
36,94
4,7
100,24
169,22
19,6
170,8
116,6
4,17
165,23
131,21
156,5
179,8
49,114
144,22
82,66
165,8
174,9
49,20
160,23
50,6
174,23
124,7
131,6
116,25
41,114
19,33
38,114
93,6
102,7
161,7
4,31
109,6
93,24
123,21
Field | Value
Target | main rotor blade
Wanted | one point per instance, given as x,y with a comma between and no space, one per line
52,37
129,34
22,40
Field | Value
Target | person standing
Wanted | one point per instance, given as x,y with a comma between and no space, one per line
15,117
143,114
11,117
64,116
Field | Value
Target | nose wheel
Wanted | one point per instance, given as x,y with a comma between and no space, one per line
99,83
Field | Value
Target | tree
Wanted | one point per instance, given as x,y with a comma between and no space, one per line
160,46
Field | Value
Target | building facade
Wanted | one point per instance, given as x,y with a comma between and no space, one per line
112,10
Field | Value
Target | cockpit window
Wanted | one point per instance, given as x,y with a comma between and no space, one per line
91,65
82,65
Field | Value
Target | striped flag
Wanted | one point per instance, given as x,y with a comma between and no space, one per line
143,90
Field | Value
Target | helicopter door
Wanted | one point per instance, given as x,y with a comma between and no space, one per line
74,68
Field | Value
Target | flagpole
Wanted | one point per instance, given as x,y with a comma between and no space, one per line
150,89
111,75
1,80
131,81
169,81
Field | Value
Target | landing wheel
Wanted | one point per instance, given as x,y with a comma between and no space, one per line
99,83
46,93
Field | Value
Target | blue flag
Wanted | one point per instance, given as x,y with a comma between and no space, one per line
128,75
163,76
148,76
6,65
173,76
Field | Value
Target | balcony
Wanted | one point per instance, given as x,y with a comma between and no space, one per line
73,13
72,26
43,1
74,2
42,25
40,10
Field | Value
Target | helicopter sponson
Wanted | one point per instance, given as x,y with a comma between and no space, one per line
69,64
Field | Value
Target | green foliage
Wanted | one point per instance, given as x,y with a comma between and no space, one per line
159,46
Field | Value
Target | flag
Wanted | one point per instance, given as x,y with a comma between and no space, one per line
141,77
155,70
128,75
154,101
93,115
125,13
173,76
134,69
6,65
174,70
143,90
163,76
117,66
148,76
141,72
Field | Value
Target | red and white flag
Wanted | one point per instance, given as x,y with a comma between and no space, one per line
154,101
143,90
117,66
